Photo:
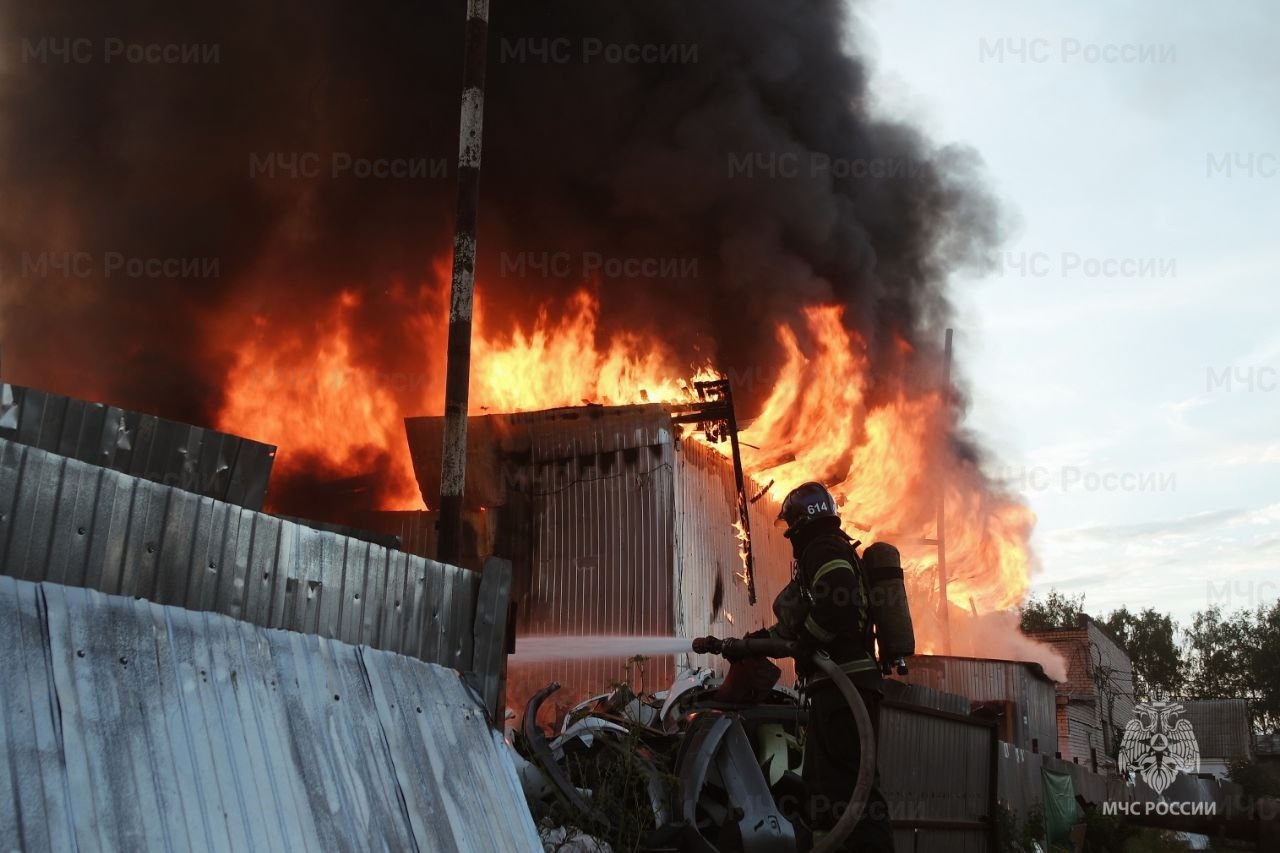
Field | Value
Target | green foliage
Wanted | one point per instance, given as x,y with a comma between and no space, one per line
1258,778
1019,836
619,791
1106,833
1237,656
1218,656
1151,640
1055,610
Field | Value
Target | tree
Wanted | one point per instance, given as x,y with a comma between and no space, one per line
1215,651
1262,660
1237,656
1055,610
1258,778
1150,638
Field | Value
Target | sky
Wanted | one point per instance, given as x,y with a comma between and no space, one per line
1123,358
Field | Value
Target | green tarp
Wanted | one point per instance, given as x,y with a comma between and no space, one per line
1060,810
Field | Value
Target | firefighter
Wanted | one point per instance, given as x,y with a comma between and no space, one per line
825,607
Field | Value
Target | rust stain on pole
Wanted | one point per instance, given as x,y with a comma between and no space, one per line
453,470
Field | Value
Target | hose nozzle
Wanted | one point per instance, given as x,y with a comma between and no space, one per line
737,648
708,645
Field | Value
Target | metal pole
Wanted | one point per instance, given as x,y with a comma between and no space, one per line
453,468
943,606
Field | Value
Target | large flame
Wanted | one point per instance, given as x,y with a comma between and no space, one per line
304,389
888,461
888,464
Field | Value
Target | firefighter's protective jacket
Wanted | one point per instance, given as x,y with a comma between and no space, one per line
825,606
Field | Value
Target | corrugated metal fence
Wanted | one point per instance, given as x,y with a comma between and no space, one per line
1021,789
203,461
1031,716
938,773
126,725
73,523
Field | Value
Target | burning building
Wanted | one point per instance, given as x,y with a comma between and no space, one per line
749,214
619,522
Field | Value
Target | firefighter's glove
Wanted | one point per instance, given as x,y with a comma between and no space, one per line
735,649
806,647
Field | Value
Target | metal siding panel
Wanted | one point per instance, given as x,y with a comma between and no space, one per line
982,680
489,636
600,489
204,461
935,768
707,546
428,593
35,810
215,734
175,547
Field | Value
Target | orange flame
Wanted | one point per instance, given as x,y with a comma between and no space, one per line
887,460
302,389
744,545
886,464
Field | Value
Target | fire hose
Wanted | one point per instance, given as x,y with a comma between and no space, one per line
774,648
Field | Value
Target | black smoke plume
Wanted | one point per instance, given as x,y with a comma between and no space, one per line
736,133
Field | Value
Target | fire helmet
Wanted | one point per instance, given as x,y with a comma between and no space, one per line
804,504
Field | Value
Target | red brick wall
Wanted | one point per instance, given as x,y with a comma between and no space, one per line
1099,687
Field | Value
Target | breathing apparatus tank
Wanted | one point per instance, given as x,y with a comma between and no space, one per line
887,606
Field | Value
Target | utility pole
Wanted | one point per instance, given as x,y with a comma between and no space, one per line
944,608
453,468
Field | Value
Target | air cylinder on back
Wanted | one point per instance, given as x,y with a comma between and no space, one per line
887,602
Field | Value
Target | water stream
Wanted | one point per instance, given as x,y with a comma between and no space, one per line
543,649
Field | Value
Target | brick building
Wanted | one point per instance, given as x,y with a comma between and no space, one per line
1096,701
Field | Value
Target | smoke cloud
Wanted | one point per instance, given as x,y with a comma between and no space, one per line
728,146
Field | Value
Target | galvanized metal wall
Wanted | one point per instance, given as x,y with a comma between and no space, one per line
708,563
897,690
602,526
126,725
707,555
630,533
598,493
73,523
203,461
982,680
938,773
